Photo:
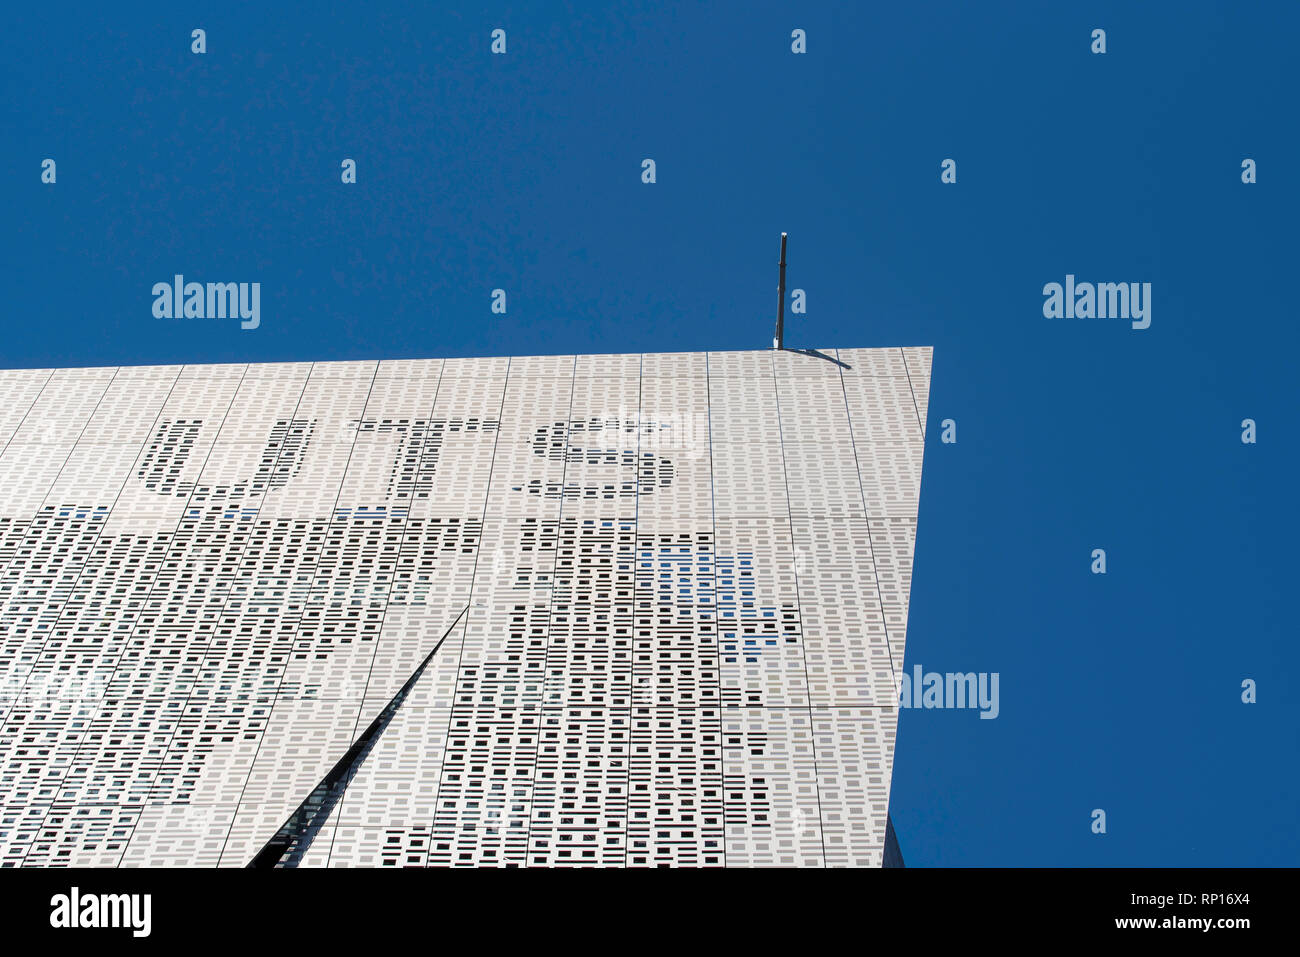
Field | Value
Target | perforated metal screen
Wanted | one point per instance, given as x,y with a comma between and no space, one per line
685,582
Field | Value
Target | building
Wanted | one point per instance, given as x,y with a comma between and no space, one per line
612,610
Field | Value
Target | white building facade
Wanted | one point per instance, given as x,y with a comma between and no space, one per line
671,593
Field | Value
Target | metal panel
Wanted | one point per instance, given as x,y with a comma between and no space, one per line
684,578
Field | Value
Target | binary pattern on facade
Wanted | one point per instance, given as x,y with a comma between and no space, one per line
684,583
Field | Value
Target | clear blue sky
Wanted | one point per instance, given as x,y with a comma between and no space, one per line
523,172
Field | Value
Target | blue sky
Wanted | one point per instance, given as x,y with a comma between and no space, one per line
522,172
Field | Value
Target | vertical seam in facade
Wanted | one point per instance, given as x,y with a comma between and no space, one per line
717,622
550,611
871,545
911,391
469,601
275,696
803,649
636,537
401,543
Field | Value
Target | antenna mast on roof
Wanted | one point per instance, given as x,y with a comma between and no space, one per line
779,341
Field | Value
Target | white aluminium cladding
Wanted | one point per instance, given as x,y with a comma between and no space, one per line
676,587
